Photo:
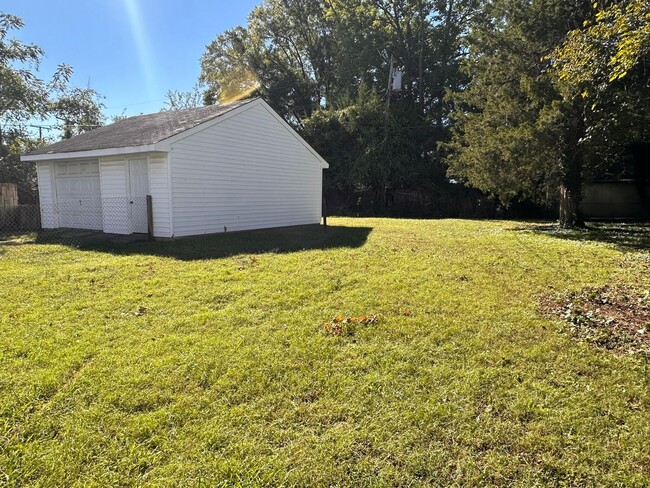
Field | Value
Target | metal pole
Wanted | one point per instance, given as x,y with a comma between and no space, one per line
149,218
390,81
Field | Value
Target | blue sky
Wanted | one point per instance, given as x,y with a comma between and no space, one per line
130,51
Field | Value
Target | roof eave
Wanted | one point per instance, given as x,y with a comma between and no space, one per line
98,153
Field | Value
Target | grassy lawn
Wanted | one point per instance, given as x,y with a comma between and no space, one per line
205,361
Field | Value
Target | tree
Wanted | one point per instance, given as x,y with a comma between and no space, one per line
316,61
79,110
515,135
178,100
604,64
283,53
366,145
24,96
17,141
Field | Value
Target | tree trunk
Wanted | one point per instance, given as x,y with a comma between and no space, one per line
571,195
67,129
380,200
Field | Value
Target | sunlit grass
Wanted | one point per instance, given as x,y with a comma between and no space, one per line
205,361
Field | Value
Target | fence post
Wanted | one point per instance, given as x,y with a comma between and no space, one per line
149,218
324,211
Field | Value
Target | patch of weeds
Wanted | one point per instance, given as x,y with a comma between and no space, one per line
347,326
615,318
140,311
246,262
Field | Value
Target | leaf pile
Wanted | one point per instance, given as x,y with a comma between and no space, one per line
346,326
615,318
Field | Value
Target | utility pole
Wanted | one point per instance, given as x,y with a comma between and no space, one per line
389,89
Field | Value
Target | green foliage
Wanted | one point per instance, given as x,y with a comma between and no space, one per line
178,100
227,66
203,361
606,48
605,63
14,143
79,109
283,53
22,93
364,143
309,56
557,90
24,96
514,135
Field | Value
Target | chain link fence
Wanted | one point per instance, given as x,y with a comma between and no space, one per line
75,221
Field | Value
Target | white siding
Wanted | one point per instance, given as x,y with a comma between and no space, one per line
159,190
244,172
115,204
47,196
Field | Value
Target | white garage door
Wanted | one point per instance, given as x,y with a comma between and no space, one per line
78,195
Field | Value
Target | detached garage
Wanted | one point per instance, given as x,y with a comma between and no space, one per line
211,169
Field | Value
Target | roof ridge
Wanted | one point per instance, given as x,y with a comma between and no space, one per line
141,130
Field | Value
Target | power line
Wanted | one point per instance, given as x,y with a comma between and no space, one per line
52,126
134,104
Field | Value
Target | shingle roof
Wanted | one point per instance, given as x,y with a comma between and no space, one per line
141,130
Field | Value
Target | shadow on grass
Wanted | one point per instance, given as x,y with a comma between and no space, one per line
278,240
625,236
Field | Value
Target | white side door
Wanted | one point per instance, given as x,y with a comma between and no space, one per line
139,188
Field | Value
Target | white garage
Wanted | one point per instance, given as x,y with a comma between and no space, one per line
211,169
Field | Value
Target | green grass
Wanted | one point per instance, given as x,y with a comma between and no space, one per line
228,378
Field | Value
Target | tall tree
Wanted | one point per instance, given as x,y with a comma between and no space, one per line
78,109
284,52
178,100
24,96
308,56
367,146
606,64
515,134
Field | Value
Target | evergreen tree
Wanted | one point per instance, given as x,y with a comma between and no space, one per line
515,134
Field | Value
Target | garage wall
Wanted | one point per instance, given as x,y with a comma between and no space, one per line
243,172
159,191
47,195
115,204
104,200
116,194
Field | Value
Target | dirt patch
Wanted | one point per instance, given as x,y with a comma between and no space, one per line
612,317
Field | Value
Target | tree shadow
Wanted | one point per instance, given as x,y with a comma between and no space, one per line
214,246
624,236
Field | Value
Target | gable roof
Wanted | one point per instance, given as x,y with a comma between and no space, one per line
141,130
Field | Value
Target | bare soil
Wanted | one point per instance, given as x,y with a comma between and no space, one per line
616,318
